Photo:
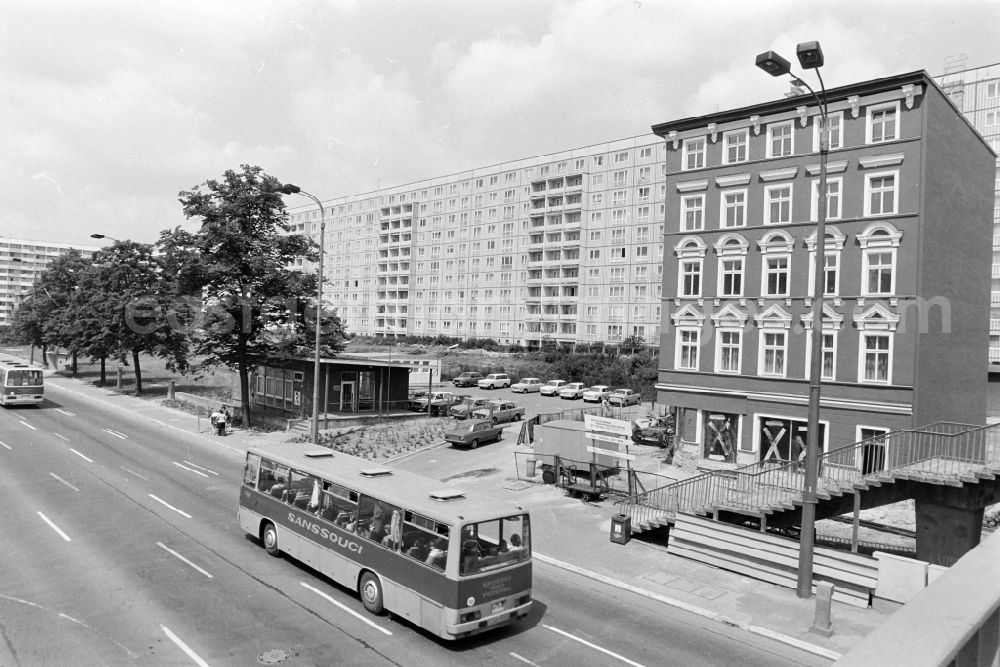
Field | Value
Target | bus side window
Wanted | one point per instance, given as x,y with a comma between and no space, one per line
267,478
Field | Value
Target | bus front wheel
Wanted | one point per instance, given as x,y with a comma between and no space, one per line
371,593
269,535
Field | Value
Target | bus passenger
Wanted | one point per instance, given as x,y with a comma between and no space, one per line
419,548
438,553
515,543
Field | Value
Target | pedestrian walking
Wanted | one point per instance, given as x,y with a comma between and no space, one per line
223,420
214,420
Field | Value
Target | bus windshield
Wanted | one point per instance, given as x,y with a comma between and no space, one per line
24,378
490,545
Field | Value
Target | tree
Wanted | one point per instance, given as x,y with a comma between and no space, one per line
46,319
255,309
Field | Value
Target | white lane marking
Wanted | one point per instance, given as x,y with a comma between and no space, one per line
54,527
20,601
180,557
195,465
593,646
349,611
184,647
4,444
184,467
66,412
62,481
116,433
58,435
166,504
24,423
132,472
70,618
522,659
88,460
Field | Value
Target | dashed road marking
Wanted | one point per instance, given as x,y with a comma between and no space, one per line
182,558
82,456
54,527
184,467
168,505
593,646
184,647
62,481
344,608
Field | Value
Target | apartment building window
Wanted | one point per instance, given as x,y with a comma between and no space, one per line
689,277
776,276
642,194
619,178
777,204
687,349
597,180
727,353
779,139
831,263
615,331
693,213
639,292
642,252
835,125
597,198
879,268
880,193
731,276
733,209
693,156
618,216
621,158
772,353
834,188
642,273
828,368
594,253
645,174
882,123
645,152
619,198
735,146
618,253
642,214
876,357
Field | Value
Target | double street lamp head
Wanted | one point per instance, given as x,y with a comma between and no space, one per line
288,189
810,56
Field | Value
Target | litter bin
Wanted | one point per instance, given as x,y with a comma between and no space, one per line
529,466
621,528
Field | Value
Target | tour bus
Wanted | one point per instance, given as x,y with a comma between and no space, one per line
451,561
20,384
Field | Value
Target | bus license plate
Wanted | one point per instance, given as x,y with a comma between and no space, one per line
497,607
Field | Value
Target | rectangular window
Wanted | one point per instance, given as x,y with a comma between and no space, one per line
694,154
879,272
732,276
778,204
876,356
880,191
834,187
776,276
773,353
882,123
829,357
835,130
690,277
779,139
734,205
687,349
693,213
729,352
735,146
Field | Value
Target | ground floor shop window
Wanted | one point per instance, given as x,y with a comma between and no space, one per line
783,440
720,438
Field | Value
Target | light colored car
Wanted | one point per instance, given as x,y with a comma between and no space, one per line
495,381
524,385
552,387
573,391
624,396
499,412
464,409
596,393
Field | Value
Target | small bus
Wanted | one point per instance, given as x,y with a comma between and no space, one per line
453,562
20,384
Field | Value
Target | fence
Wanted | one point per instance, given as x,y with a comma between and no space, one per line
531,467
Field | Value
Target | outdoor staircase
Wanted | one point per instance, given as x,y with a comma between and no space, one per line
879,471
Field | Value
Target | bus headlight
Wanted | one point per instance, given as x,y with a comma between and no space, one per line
470,601
469,616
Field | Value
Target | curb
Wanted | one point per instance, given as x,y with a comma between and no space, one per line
704,613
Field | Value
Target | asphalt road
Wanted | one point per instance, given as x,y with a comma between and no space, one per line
122,547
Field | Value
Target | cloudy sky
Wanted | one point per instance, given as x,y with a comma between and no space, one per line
109,108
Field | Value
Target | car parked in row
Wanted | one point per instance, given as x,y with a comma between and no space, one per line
467,379
524,385
464,409
471,433
572,391
552,387
437,402
499,412
596,393
624,396
495,381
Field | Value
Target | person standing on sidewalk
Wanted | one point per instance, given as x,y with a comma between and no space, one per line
223,420
214,420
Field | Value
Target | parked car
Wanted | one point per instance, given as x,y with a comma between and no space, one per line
552,387
471,433
573,391
652,430
439,401
494,381
596,393
415,399
524,385
464,409
467,379
624,396
499,412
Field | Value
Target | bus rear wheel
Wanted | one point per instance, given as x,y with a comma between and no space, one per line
371,593
269,535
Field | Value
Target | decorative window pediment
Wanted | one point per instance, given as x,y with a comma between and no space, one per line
835,240
730,316
877,318
733,180
732,244
692,186
776,242
774,317
690,247
832,320
688,316
831,168
880,235
778,174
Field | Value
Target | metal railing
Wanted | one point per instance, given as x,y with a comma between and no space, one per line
943,452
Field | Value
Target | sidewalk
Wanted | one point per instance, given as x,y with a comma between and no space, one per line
575,536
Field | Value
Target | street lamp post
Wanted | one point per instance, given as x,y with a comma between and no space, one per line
290,189
810,56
